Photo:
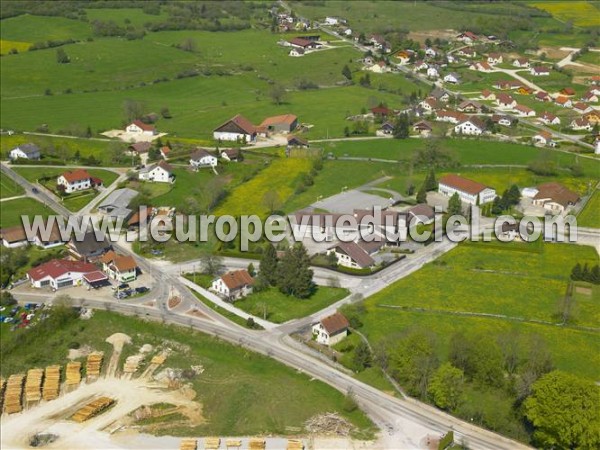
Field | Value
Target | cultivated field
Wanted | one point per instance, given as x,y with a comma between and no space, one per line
581,14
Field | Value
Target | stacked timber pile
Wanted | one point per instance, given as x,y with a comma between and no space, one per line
33,385
13,393
328,424
94,364
233,443
92,408
51,383
294,444
211,443
159,359
73,373
132,363
256,444
188,444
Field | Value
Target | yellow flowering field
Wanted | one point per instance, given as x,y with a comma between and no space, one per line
282,176
7,46
582,14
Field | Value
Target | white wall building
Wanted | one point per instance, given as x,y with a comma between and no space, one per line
469,191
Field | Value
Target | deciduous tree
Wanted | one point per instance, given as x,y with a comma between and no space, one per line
447,386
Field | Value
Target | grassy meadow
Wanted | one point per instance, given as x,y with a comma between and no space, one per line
11,211
8,187
30,28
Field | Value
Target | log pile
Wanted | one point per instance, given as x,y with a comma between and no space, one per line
94,364
294,444
73,373
256,444
51,383
13,393
188,444
33,385
92,408
233,443
211,443
328,423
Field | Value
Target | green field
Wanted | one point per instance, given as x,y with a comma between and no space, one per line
8,187
28,28
475,279
590,216
280,308
242,393
11,211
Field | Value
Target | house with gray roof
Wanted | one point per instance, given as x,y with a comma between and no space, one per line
25,151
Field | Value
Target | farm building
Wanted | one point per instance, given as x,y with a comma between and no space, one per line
280,124
297,141
233,285
237,128
25,151
469,191
331,329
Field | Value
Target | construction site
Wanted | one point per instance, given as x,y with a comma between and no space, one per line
100,401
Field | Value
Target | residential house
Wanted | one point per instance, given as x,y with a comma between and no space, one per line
452,78
387,128
590,96
568,91
486,94
356,255
285,123
433,72
505,85
90,247
403,56
524,111
449,116
472,126
469,191
116,204
430,104
481,66
304,44
563,101
420,214
494,58
331,330
542,96
164,152
139,127
14,237
379,43
141,218
297,141
581,124
25,151
523,63
430,52
202,158
467,37
440,95
297,52
231,154
61,273
420,65
549,119
233,285
77,180
161,172
467,52
470,106
505,101
505,121
524,90
237,128
539,71
381,111
121,268
582,108
555,197
140,147
423,128
332,20
543,138
593,117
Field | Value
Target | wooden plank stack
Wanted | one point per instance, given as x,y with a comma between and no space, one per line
256,444
73,373
159,359
92,408
188,444
94,364
294,444
51,383
33,385
13,393
211,443
233,443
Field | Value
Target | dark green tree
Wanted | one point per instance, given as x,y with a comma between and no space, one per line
454,205
62,57
402,127
431,183
294,275
576,272
362,356
268,265
346,72
422,194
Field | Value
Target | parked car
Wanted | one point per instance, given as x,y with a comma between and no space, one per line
35,190
141,290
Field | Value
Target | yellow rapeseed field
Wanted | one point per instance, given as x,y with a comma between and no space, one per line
282,176
7,46
582,14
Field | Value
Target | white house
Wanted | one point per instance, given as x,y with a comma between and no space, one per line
59,273
13,237
494,58
139,127
452,77
549,119
581,124
542,138
237,128
469,191
331,329
25,151
523,63
356,255
481,66
233,285
555,197
525,111
297,52
467,52
539,71
202,158
582,108
563,101
505,101
472,126
77,180
161,172
433,72
121,268
332,20
430,52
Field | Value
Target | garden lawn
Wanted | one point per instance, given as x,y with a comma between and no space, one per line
281,308
11,211
242,393
590,216
8,187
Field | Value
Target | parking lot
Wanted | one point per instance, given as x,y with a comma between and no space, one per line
348,201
